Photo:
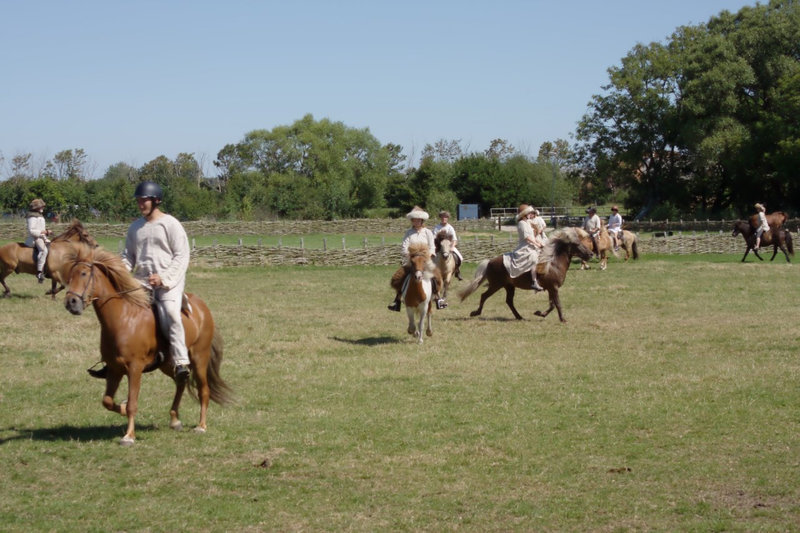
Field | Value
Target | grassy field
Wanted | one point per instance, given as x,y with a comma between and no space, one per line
670,401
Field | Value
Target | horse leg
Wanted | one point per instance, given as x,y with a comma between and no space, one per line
174,417
132,407
112,384
488,292
6,290
411,325
555,299
429,330
422,316
203,391
510,290
550,294
603,260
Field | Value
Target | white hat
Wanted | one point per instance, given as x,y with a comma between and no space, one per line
417,212
523,210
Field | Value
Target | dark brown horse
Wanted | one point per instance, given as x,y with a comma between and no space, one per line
18,258
129,342
551,271
418,291
777,238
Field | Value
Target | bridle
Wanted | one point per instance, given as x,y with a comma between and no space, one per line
82,295
90,299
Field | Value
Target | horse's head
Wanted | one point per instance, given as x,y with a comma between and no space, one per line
76,232
444,245
740,226
581,243
97,274
419,259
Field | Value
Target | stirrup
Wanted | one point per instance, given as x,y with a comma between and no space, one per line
99,373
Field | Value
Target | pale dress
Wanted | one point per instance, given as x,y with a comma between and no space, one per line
525,256
36,226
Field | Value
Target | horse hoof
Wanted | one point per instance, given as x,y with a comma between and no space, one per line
411,331
199,429
177,426
429,333
126,441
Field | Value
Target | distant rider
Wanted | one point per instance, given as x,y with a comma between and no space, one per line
615,225
444,217
37,235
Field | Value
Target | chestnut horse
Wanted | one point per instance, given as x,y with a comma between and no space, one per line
18,258
629,241
129,340
768,238
605,246
775,220
418,290
551,271
445,260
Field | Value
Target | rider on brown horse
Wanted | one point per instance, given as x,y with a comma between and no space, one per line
37,235
418,233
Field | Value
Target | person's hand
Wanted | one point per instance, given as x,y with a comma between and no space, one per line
155,280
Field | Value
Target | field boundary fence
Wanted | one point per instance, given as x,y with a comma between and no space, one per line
679,237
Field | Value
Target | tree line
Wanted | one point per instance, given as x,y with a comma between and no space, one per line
699,126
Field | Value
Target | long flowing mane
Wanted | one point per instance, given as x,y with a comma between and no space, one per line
559,240
114,269
437,240
76,228
417,249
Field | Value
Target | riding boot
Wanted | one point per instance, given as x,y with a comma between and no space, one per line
535,285
40,276
395,305
99,373
457,273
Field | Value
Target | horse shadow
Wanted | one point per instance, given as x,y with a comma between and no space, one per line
67,433
368,341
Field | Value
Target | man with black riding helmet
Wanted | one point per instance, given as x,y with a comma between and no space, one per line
157,253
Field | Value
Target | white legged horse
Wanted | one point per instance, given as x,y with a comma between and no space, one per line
417,291
445,260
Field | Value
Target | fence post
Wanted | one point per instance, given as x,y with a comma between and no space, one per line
343,245
324,244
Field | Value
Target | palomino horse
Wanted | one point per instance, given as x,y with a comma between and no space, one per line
129,340
445,260
18,258
629,242
418,290
551,271
768,238
605,245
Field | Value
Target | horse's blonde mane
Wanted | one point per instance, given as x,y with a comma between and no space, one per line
114,269
557,239
417,248
76,227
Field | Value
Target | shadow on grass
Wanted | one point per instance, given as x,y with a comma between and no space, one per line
69,433
18,296
369,341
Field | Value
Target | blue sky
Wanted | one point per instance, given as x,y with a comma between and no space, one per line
129,81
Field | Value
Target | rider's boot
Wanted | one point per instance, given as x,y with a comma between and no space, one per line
535,285
40,276
395,305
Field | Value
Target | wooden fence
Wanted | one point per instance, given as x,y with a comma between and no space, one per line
363,252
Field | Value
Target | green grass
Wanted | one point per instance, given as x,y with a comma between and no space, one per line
668,402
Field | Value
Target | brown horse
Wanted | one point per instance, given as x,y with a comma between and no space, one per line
604,247
777,238
445,259
18,258
775,220
551,271
417,292
629,241
129,338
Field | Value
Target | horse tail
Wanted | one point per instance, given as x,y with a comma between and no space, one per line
789,245
480,275
635,247
221,392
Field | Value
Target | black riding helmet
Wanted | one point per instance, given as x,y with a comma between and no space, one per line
148,189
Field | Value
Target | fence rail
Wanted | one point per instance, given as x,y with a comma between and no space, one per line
712,237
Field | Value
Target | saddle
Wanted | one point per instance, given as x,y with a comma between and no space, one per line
162,340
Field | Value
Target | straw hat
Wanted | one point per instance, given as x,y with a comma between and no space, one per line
417,212
523,210
443,214
37,203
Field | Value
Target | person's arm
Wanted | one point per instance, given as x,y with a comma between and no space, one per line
179,244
